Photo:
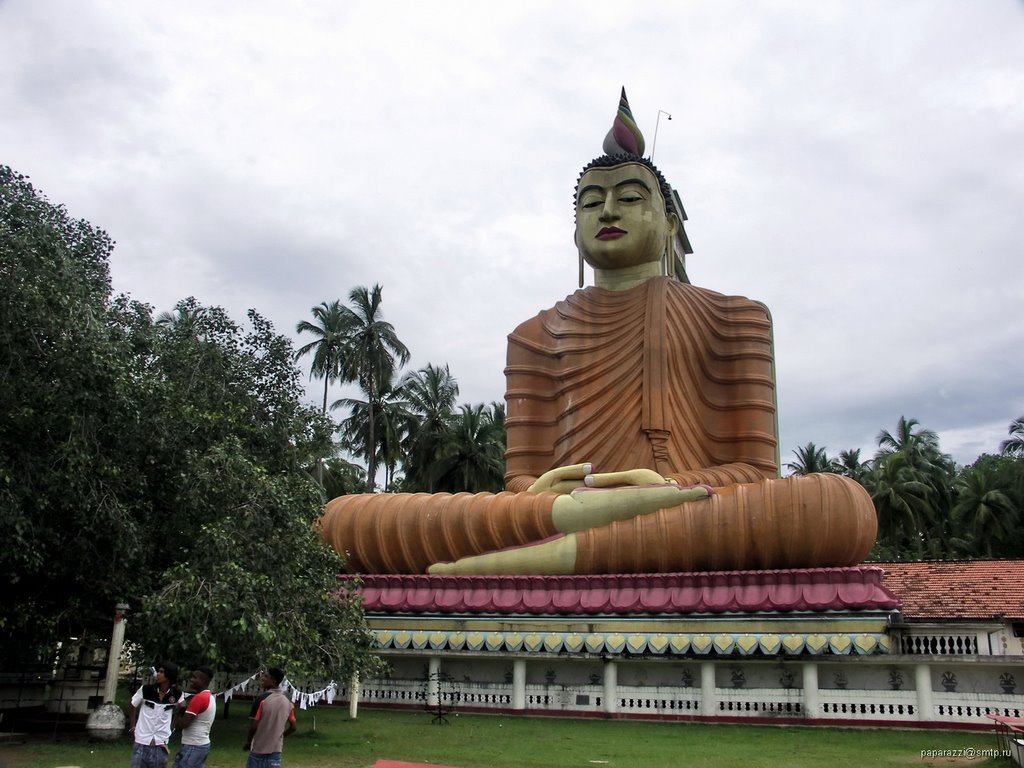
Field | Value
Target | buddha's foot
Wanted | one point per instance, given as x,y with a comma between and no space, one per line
555,556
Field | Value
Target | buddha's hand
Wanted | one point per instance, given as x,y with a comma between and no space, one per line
568,479
593,507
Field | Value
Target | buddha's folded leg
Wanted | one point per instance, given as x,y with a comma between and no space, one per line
582,510
405,533
796,522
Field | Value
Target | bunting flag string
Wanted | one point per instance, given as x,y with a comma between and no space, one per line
304,699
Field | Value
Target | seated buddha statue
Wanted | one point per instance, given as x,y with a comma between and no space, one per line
641,427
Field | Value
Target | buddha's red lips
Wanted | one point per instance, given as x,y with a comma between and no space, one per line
610,233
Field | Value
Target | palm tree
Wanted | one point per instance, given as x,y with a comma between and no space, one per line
906,440
1014,445
810,459
901,501
473,460
392,429
372,347
430,393
923,462
985,507
849,464
495,414
331,328
391,419
185,317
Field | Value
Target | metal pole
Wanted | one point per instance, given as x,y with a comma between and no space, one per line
654,143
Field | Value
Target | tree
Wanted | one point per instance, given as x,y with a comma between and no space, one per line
159,464
331,328
920,461
1014,445
809,459
901,501
258,588
331,331
66,383
850,465
373,347
431,393
342,477
987,511
391,422
473,458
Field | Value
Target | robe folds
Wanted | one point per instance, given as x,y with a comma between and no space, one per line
665,375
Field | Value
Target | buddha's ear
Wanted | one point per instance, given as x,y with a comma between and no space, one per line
673,224
579,253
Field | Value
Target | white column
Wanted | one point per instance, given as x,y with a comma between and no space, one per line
923,684
611,687
708,698
812,708
353,699
433,681
114,659
519,684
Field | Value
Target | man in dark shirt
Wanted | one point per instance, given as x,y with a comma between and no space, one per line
273,719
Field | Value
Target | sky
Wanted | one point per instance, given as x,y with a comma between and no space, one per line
857,166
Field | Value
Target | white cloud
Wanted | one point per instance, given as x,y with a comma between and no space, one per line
853,165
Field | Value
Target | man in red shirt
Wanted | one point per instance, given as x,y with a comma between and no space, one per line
195,719
273,719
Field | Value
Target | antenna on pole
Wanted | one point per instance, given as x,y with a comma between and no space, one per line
654,143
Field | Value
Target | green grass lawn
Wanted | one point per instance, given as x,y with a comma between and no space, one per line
327,737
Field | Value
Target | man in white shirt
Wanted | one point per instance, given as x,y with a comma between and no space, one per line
149,718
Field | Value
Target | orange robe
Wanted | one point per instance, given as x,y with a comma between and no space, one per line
665,375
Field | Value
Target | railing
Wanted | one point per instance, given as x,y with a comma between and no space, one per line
760,702
972,707
882,706
939,645
868,705
659,700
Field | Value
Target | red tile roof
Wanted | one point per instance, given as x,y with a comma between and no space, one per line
958,589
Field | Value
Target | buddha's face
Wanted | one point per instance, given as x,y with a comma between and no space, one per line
620,217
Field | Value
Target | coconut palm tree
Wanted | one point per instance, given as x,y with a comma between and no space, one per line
185,317
901,501
809,459
849,464
391,419
372,350
1014,445
983,506
330,329
431,393
923,462
473,459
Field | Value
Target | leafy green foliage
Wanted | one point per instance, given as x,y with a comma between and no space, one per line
65,379
809,459
163,464
372,350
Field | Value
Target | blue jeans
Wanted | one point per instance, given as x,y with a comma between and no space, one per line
271,760
192,756
145,756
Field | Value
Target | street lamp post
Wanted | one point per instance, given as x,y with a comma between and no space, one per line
657,122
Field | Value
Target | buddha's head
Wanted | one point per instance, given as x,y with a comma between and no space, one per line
624,216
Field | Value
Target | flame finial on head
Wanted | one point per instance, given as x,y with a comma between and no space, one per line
624,136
